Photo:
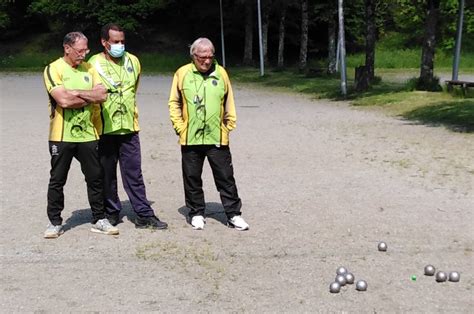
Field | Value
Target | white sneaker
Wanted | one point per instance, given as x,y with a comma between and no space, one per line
53,232
238,223
103,226
198,222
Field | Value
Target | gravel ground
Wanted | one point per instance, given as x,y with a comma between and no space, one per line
321,182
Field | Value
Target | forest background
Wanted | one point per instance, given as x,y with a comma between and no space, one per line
403,44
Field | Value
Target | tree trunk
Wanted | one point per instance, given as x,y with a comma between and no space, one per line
281,39
304,35
265,21
370,39
429,41
332,46
361,80
248,32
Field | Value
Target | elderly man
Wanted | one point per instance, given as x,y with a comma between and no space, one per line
119,141
202,112
74,88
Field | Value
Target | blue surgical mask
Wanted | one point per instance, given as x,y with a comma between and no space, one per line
116,50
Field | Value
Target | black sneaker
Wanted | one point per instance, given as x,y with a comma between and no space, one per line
114,219
150,222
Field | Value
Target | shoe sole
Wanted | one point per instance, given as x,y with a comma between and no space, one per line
52,236
105,232
230,225
198,228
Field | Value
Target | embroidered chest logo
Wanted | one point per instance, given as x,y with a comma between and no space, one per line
86,78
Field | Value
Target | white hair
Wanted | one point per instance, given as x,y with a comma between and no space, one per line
72,37
201,42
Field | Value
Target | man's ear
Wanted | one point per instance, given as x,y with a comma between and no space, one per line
67,49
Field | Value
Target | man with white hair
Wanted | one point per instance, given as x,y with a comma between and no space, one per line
202,112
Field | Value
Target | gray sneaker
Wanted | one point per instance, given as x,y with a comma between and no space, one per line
103,226
52,232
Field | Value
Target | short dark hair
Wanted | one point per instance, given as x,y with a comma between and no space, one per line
104,32
72,37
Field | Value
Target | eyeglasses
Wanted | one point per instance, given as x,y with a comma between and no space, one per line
80,52
203,58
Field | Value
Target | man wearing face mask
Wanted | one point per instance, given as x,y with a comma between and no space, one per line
119,142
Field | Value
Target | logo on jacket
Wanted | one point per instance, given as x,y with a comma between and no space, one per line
214,82
54,150
129,69
86,78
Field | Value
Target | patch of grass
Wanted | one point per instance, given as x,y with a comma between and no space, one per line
323,86
198,259
403,163
432,85
319,86
457,115
389,59
409,58
34,62
177,255
161,63
433,108
399,101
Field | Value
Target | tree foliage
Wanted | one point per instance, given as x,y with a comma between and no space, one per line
62,15
409,17
163,23
4,17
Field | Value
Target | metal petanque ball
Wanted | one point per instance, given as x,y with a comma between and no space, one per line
361,285
429,270
441,276
341,279
382,246
341,270
454,276
349,278
334,287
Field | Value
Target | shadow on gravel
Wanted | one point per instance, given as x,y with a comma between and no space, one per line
78,217
84,216
213,210
127,211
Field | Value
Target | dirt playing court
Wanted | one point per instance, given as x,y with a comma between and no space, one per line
321,183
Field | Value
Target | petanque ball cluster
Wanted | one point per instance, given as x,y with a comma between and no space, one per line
344,277
442,276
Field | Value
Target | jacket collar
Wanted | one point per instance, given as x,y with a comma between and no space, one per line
215,74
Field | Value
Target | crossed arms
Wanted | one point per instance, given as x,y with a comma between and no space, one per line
77,98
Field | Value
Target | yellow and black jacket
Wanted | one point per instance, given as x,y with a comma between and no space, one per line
72,125
202,108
